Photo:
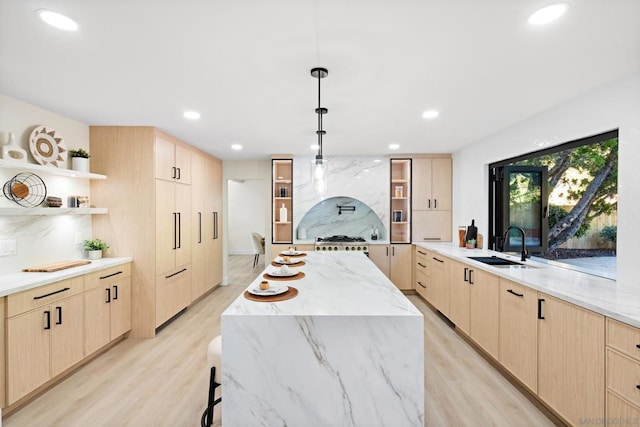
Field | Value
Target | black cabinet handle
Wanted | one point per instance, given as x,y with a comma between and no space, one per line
422,265
422,253
393,251
435,203
540,301
387,250
439,260
175,231
47,318
515,293
176,273
637,345
466,270
420,283
59,313
470,277
173,172
115,292
108,295
111,275
199,227
215,225
179,230
431,238
638,386
51,293
429,203
178,173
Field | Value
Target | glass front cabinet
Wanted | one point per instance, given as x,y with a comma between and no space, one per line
282,201
400,215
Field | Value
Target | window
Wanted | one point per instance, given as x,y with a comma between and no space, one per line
564,199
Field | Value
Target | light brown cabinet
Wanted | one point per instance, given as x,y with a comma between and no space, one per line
395,262
571,365
623,371
150,215
43,341
107,303
400,201
172,160
483,310
421,272
459,294
438,288
431,198
2,351
206,197
173,294
282,197
518,334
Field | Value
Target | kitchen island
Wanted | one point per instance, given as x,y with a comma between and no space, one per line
348,350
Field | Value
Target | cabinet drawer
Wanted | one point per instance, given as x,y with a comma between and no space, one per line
421,283
624,338
107,275
623,376
622,410
422,265
43,295
422,254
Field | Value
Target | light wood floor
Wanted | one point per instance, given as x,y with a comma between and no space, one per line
163,381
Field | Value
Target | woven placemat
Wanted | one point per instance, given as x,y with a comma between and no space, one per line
300,275
293,255
291,293
297,264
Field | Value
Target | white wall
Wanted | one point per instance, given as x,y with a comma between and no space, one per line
42,239
616,105
246,203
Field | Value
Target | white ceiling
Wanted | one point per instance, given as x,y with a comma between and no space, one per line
244,65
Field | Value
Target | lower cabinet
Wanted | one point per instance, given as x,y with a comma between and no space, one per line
51,328
571,362
173,293
395,262
107,302
43,342
438,286
459,293
518,334
623,373
483,310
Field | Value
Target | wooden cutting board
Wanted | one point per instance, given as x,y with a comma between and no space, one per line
55,266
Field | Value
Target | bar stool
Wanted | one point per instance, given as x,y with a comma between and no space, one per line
214,360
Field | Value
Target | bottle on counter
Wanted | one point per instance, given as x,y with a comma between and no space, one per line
372,238
376,234
283,213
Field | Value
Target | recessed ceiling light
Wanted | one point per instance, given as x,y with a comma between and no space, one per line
57,20
236,147
430,114
548,14
314,147
191,115
394,146
377,161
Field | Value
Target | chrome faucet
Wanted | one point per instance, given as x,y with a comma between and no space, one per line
523,256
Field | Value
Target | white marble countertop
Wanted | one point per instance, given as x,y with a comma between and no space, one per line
17,282
605,296
335,284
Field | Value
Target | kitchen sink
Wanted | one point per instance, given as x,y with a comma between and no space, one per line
495,261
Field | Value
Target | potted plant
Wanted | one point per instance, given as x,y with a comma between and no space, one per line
94,248
79,160
471,244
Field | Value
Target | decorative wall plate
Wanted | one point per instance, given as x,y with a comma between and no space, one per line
47,147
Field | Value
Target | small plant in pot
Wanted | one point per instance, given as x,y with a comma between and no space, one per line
94,248
79,160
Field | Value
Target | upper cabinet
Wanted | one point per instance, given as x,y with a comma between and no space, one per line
282,200
173,160
431,201
400,201
432,184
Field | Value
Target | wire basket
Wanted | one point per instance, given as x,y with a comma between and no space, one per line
26,189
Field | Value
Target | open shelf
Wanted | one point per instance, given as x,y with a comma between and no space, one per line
10,164
52,211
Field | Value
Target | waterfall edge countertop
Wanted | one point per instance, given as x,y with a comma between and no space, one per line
347,350
18,282
598,294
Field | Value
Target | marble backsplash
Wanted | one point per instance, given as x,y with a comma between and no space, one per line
361,178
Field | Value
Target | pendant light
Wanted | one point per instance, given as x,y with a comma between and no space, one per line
319,166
